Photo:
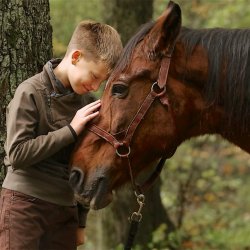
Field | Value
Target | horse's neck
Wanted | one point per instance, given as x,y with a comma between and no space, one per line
188,78
196,116
243,141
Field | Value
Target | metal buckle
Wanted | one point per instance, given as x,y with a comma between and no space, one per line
157,91
137,216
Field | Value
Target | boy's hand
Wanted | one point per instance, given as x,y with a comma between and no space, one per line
84,115
80,236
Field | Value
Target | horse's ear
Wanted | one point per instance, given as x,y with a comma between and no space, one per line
164,33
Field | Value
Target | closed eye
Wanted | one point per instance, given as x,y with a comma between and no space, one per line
120,90
94,76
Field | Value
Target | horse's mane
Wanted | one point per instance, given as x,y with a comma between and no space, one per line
228,53
228,85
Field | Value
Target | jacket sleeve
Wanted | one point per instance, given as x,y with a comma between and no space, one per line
23,147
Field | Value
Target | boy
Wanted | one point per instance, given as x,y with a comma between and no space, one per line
37,205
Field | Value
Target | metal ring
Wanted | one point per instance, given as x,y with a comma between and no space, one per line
126,154
155,93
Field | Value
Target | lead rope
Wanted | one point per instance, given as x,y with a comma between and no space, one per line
135,217
134,220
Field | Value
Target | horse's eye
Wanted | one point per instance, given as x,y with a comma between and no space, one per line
120,90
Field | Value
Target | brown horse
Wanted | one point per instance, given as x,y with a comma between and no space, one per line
149,108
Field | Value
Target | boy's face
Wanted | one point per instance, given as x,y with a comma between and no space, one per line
86,75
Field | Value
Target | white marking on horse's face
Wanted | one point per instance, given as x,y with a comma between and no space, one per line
107,83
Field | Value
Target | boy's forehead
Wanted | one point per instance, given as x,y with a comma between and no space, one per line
102,70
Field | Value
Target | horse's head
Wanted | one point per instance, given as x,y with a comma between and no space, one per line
97,165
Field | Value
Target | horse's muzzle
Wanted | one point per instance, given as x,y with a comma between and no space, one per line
91,190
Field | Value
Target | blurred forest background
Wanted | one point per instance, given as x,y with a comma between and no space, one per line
204,188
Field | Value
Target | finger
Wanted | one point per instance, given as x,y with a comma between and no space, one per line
91,116
91,109
90,105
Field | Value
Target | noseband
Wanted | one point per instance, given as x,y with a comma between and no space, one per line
122,147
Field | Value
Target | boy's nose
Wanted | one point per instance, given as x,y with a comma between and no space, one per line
96,86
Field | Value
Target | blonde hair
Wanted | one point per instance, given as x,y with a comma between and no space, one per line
100,41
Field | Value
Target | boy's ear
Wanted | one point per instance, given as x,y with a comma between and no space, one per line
75,56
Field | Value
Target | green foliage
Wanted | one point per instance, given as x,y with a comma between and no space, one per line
204,191
161,239
65,15
211,13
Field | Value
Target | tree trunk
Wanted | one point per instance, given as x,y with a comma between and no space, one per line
25,45
127,16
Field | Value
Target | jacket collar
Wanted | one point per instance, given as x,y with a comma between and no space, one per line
58,88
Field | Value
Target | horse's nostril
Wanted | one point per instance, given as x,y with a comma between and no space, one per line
76,179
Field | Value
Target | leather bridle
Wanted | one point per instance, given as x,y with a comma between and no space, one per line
122,147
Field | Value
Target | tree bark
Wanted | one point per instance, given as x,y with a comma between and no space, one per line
25,45
126,16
